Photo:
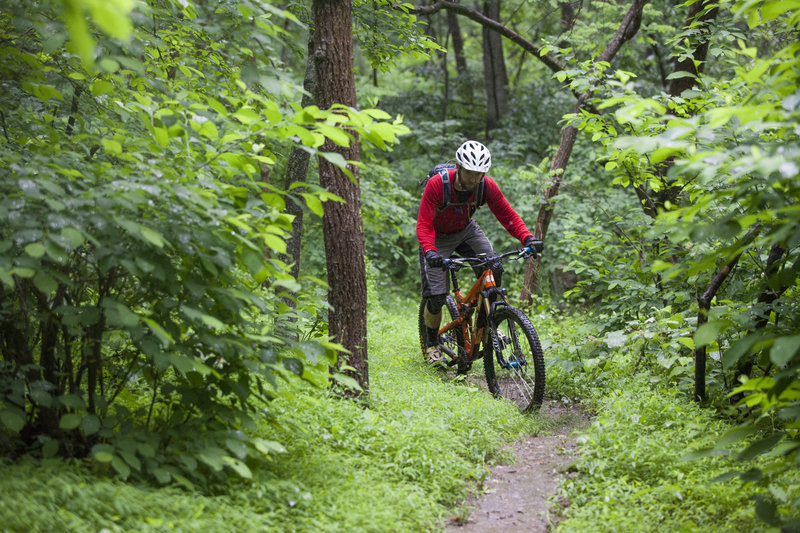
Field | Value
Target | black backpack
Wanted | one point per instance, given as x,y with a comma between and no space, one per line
443,169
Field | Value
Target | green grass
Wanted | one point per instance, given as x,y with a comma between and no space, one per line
407,461
634,473
401,464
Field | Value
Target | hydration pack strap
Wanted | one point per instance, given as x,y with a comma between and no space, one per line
447,199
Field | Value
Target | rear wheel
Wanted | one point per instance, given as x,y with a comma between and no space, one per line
452,341
513,359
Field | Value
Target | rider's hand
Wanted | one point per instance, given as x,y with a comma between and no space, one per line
433,258
535,245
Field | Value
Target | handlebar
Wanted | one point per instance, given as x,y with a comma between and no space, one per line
483,259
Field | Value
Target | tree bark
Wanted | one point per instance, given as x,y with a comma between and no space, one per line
767,297
458,43
342,225
701,17
704,304
297,171
627,29
494,70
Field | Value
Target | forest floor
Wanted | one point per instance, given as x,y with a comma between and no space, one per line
518,496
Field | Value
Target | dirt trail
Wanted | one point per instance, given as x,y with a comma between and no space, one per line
516,496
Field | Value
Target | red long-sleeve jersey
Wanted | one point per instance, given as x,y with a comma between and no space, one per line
455,217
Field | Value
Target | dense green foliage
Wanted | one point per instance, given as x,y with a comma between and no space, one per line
142,308
143,289
399,466
717,167
678,221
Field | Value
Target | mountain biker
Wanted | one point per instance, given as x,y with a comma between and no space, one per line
441,231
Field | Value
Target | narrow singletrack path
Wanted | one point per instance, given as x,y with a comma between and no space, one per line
517,496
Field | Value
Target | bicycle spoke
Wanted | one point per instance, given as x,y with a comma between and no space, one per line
518,375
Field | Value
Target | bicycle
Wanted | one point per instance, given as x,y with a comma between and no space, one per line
512,355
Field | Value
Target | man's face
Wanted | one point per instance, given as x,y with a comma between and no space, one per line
470,178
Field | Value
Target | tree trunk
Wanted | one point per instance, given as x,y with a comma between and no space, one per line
458,43
445,86
548,59
767,297
297,171
568,17
342,226
701,17
627,29
494,70
704,304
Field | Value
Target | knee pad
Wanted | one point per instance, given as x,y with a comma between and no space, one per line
435,303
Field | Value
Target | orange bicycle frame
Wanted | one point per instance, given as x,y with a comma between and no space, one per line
474,300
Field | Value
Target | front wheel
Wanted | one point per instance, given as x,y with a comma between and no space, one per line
513,359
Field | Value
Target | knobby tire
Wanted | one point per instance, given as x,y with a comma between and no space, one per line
515,370
452,340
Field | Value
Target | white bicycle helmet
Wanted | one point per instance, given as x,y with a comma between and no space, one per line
472,155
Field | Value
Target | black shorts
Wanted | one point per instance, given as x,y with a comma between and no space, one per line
467,243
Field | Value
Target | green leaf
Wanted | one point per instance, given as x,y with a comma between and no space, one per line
35,250
101,86
44,282
70,421
74,236
108,65
81,42
162,475
206,319
212,457
268,447
739,349
111,146
246,115
161,135
377,114
5,277
73,401
119,314
313,203
346,381
162,334
120,466
238,466
732,436
775,8
767,511
103,453
274,242
335,134
152,236
709,331
43,92
12,419
112,16
90,424
784,349
50,448
760,447
336,159
686,341
209,131
680,74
